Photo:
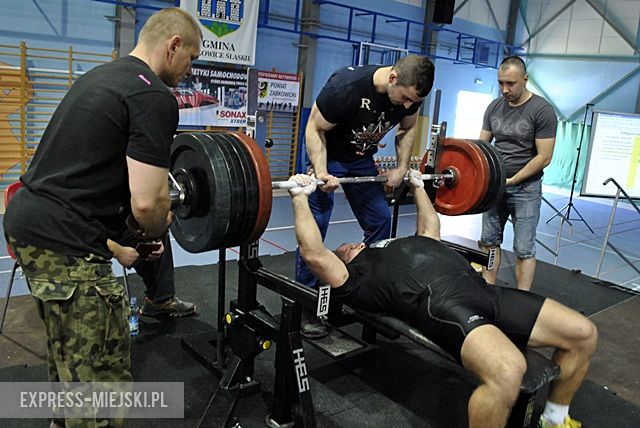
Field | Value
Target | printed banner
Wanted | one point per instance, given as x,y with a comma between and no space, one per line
229,28
213,96
278,91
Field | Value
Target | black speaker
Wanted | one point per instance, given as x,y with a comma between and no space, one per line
443,11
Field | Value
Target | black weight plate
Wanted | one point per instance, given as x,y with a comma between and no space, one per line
250,212
205,228
501,175
493,185
236,187
263,184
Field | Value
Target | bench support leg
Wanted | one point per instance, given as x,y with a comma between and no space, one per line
522,412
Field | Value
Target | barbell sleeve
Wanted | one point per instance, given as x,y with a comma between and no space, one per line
290,184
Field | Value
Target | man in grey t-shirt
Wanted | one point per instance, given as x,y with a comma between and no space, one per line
524,127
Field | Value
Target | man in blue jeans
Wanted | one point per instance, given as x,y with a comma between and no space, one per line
524,127
157,272
353,112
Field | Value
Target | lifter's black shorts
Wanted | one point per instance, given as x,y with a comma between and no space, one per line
449,310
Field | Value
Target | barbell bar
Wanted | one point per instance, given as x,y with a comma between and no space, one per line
179,198
289,184
221,189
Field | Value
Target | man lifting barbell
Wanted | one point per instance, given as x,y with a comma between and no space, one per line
485,328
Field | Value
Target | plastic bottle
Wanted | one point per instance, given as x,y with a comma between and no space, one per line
134,316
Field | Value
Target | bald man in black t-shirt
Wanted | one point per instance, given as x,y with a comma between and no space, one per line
100,166
421,280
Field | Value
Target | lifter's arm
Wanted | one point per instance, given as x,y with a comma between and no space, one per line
427,220
150,202
324,264
316,144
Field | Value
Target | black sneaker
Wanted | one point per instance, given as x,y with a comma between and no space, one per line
173,307
312,326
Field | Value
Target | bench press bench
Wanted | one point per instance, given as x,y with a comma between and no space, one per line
540,370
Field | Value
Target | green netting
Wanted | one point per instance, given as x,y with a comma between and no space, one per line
559,173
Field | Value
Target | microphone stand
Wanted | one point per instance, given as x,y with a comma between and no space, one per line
570,205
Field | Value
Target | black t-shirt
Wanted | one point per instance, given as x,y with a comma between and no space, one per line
362,115
391,275
76,190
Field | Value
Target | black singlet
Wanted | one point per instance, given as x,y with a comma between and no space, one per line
429,285
391,275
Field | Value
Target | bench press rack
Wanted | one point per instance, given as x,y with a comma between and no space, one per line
230,352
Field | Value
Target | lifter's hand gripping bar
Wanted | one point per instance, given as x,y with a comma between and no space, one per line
353,180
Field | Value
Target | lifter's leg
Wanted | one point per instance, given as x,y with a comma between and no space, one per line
491,275
575,338
490,355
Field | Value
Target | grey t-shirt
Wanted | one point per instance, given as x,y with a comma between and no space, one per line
515,129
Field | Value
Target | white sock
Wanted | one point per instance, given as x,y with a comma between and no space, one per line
555,413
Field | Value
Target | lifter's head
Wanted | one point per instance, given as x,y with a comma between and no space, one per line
168,42
347,252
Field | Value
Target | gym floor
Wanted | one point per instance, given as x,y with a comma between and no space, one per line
614,373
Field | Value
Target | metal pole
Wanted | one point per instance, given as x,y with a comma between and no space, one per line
558,240
606,237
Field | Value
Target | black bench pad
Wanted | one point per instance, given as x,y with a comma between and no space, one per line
540,370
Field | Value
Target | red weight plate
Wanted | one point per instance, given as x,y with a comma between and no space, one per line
472,176
265,194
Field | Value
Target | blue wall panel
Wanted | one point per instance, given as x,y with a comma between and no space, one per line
58,25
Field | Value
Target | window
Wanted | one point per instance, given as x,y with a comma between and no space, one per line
470,109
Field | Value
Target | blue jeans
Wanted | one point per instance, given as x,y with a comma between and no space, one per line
157,275
522,203
367,201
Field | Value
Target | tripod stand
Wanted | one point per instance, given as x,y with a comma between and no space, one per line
569,205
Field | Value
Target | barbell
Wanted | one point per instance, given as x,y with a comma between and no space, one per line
448,175
221,188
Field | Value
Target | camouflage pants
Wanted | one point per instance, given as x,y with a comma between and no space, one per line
85,313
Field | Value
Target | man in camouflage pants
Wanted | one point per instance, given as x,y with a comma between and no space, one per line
85,313
100,167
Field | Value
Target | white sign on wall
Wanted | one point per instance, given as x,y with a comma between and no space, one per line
278,91
614,152
229,28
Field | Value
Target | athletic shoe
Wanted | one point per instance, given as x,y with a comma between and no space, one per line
173,307
568,423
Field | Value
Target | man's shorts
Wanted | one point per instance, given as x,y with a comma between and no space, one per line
522,203
449,311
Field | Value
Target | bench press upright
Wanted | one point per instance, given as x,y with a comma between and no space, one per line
250,328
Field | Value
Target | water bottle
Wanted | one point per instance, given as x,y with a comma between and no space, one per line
134,314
